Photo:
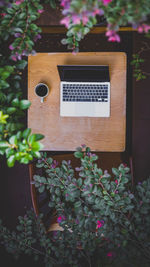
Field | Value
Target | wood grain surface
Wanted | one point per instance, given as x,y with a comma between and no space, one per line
67,133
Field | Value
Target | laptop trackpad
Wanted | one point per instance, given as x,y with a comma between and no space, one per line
84,109
71,109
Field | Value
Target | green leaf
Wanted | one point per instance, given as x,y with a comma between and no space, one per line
79,182
21,64
15,102
41,188
77,204
3,117
39,137
18,30
4,144
24,160
24,104
115,171
5,74
78,154
13,140
26,133
106,197
11,161
37,154
11,110
36,146
31,139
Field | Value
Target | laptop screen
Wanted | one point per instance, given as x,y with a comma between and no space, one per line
84,73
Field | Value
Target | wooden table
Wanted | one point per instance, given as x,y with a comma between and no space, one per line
67,133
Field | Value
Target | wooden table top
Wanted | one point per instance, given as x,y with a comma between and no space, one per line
67,133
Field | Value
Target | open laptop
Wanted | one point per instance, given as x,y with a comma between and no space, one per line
84,90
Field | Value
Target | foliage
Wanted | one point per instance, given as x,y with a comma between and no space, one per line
105,219
80,17
137,61
17,21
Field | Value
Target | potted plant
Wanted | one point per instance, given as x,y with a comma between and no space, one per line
103,218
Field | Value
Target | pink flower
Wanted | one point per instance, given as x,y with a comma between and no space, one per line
11,47
98,12
65,3
124,165
100,224
65,21
84,19
13,58
3,14
143,28
40,11
18,2
140,29
109,254
116,181
74,53
110,33
106,2
76,19
59,219
114,38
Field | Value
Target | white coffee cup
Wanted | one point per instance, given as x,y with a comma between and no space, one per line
41,90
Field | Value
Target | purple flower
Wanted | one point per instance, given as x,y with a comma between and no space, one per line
54,164
65,4
17,34
38,36
76,221
78,169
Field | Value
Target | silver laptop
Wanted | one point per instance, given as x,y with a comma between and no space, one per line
84,90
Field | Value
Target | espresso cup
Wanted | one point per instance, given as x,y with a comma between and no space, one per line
41,90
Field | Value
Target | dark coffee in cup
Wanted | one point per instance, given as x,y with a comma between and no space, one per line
41,90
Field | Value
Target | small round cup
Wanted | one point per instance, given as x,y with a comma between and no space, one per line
41,90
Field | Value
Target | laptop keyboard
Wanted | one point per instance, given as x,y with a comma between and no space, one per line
85,92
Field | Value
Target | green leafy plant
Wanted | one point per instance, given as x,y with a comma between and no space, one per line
137,61
104,218
17,21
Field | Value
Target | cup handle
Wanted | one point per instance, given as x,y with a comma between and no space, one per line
42,99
